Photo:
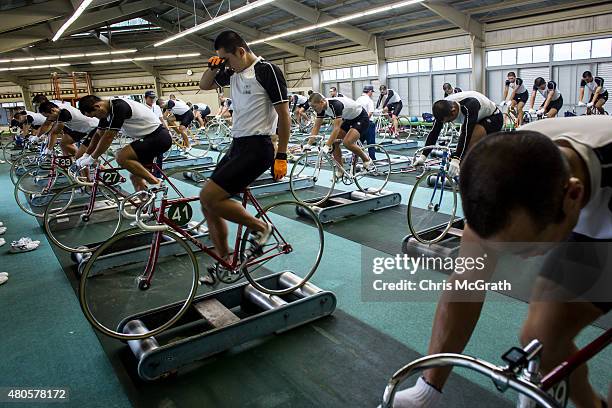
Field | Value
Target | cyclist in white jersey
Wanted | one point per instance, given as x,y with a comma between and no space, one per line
200,113
553,100
519,95
137,121
449,90
151,103
29,121
226,109
566,210
299,105
598,93
390,101
72,124
184,116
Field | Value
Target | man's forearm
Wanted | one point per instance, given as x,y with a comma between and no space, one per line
207,82
103,144
93,144
284,126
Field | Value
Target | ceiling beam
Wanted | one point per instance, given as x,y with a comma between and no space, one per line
253,33
461,20
201,43
142,65
15,80
348,31
37,13
30,35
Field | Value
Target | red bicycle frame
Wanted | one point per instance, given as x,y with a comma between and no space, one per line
247,196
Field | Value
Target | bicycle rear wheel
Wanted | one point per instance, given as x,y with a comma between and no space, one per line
112,291
375,180
318,170
292,247
69,224
22,164
432,203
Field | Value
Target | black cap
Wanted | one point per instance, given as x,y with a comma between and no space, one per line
150,94
368,88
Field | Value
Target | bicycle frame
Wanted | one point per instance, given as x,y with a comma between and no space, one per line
234,261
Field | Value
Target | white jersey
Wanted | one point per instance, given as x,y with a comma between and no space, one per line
550,86
156,111
594,84
366,102
485,106
178,107
255,93
73,119
134,118
591,137
35,118
341,107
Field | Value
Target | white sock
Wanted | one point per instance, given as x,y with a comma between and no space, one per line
422,395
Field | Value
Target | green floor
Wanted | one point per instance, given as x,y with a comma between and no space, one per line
340,361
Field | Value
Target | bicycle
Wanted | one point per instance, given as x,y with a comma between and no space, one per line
218,132
440,209
170,217
311,163
199,142
511,121
384,125
521,373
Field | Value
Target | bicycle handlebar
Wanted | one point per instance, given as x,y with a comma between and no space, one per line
80,180
141,224
501,376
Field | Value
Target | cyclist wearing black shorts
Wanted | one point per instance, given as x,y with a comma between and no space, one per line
553,100
29,121
72,124
513,203
599,94
299,103
183,115
449,90
390,101
479,116
137,121
351,123
518,95
261,110
200,112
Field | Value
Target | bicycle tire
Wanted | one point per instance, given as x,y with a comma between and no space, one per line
386,171
295,173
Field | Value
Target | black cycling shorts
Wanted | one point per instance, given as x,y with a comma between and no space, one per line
80,137
153,145
247,159
522,97
204,112
395,108
558,104
185,119
581,267
493,123
360,124
603,96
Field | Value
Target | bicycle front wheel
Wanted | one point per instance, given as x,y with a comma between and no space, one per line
293,246
315,171
373,181
114,289
432,206
70,223
36,187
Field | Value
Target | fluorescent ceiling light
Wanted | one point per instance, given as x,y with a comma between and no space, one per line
150,58
226,16
33,67
353,16
71,56
49,57
123,52
72,19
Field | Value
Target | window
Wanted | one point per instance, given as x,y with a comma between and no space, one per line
393,68
450,62
413,66
437,64
494,58
356,72
372,70
332,75
346,72
601,48
424,65
326,76
464,61
402,67
541,53
581,50
524,55
509,57
562,52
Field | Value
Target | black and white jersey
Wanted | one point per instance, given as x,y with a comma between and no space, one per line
135,119
227,103
298,99
156,111
341,107
516,86
455,90
389,98
255,93
73,119
177,107
594,84
473,107
551,86
200,107
591,138
34,118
